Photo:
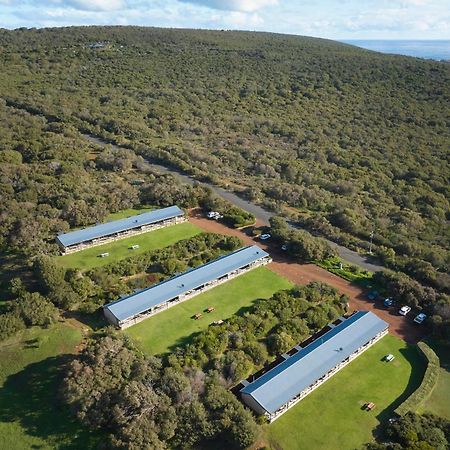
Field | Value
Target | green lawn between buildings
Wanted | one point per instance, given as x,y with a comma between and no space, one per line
332,417
174,327
30,414
439,401
153,240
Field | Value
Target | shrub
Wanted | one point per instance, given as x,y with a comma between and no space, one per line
238,218
10,323
34,309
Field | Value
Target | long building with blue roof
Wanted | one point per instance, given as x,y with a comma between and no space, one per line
137,307
281,387
119,229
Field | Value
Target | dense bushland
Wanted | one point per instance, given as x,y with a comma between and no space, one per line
353,141
299,243
271,327
414,431
343,140
184,401
55,180
407,291
140,403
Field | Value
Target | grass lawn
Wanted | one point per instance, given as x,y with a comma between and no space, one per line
174,327
439,401
163,237
30,415
331,416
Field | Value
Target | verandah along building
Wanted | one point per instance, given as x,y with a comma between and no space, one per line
132,309
119,229
296,376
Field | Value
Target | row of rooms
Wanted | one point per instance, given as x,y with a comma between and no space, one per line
120,235
273,416
122,324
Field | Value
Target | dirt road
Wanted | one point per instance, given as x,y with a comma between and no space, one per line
402,327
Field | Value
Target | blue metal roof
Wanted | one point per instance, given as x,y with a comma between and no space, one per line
116,226
285,381
154,295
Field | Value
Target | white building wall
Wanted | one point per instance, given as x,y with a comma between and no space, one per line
273,416
121,235
188,295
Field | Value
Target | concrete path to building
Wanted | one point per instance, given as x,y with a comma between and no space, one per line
298,273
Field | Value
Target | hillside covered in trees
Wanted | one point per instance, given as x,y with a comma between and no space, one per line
351,141
343,141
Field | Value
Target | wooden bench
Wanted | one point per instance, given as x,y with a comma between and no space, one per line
370,406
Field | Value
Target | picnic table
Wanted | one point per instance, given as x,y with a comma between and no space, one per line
210,309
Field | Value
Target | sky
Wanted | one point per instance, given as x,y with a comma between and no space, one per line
333,19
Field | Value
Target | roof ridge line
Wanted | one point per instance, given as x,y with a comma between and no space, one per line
276,375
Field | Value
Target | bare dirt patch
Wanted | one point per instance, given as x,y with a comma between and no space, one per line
298,273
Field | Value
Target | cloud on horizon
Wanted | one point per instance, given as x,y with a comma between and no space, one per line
234,5
96,5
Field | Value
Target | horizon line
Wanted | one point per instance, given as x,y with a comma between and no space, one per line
339,39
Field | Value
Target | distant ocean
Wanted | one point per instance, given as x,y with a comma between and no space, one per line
439,50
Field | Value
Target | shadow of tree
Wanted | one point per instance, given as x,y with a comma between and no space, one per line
30,397
31,343
418,368
96,320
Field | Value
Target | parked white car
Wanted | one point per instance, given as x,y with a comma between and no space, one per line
265,236
420,318
214,215
404,310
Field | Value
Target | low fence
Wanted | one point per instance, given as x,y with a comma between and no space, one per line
430,378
